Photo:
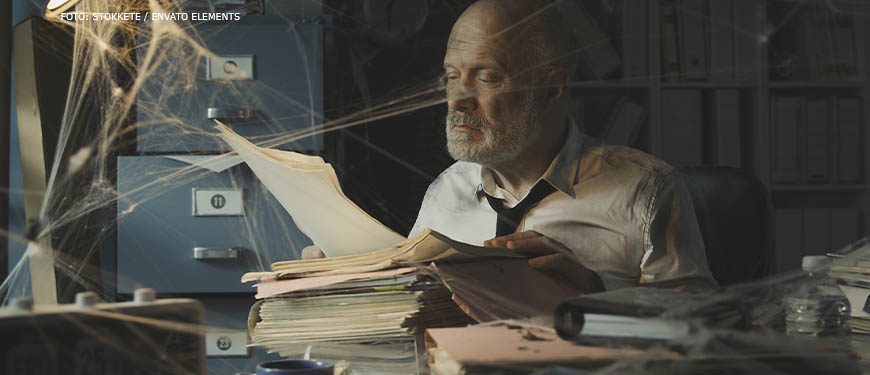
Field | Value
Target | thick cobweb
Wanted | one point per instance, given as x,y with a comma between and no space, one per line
136,107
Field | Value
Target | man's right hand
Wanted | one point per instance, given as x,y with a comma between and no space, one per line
312,252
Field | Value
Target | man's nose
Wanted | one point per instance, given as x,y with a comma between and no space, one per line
461,100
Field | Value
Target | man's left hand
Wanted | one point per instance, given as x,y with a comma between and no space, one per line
551,258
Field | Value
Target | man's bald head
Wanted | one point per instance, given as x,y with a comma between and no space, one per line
529,29
504,72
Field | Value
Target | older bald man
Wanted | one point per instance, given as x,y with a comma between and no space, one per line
528,180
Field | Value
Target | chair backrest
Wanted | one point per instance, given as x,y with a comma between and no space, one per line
735,216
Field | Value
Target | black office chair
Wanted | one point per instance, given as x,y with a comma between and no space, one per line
735,216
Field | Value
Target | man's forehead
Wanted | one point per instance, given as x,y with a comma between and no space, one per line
481,43
480,49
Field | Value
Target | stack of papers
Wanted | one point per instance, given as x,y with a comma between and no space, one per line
369,319
852,271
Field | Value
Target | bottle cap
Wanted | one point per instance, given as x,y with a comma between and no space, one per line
813,263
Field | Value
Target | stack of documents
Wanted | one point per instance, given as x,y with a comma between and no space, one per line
369,319
852,271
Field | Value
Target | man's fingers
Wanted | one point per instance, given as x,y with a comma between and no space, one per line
502,240
533,246
541,245
521,235
312,252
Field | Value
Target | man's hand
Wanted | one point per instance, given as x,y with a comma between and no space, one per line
312,252
551,258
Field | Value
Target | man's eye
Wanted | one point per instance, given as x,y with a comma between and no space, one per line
488,79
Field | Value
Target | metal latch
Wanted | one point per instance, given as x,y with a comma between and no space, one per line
230,67
204,253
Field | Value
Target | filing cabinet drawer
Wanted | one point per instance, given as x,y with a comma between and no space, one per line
265,80
184,228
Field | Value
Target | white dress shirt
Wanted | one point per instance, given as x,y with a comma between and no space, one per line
623,213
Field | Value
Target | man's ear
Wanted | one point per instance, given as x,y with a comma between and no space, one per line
557,79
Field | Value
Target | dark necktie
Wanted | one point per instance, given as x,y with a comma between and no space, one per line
509,218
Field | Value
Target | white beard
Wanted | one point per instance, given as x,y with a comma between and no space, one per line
500,144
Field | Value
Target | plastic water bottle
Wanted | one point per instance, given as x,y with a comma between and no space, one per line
818,307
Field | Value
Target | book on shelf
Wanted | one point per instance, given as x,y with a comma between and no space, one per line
681,127
785,119
843,25
726,127
850,140
670,41
817,140
692,31
709,39
598,58
746,40
812,43
624,123
634,38
823,58
721,40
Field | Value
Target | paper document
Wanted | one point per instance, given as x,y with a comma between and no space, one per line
308,189
427,246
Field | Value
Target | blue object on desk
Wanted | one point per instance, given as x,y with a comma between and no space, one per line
295,367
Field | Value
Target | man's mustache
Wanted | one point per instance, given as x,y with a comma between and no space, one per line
458,118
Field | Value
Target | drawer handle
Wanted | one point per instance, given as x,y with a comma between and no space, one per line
230,113
204,253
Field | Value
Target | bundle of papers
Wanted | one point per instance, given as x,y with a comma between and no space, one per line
371,318
852,270
308,188
853,273
368,319
427,246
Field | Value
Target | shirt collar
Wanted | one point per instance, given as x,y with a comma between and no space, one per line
561,173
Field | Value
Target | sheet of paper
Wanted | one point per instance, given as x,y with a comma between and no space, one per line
272,288
501,343
308,189
427,246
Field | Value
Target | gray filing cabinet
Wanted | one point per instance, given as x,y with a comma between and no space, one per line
187,225
185,228
265,79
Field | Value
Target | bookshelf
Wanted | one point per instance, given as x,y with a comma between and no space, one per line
759,83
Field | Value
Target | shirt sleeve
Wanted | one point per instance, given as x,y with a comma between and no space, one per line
674,254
